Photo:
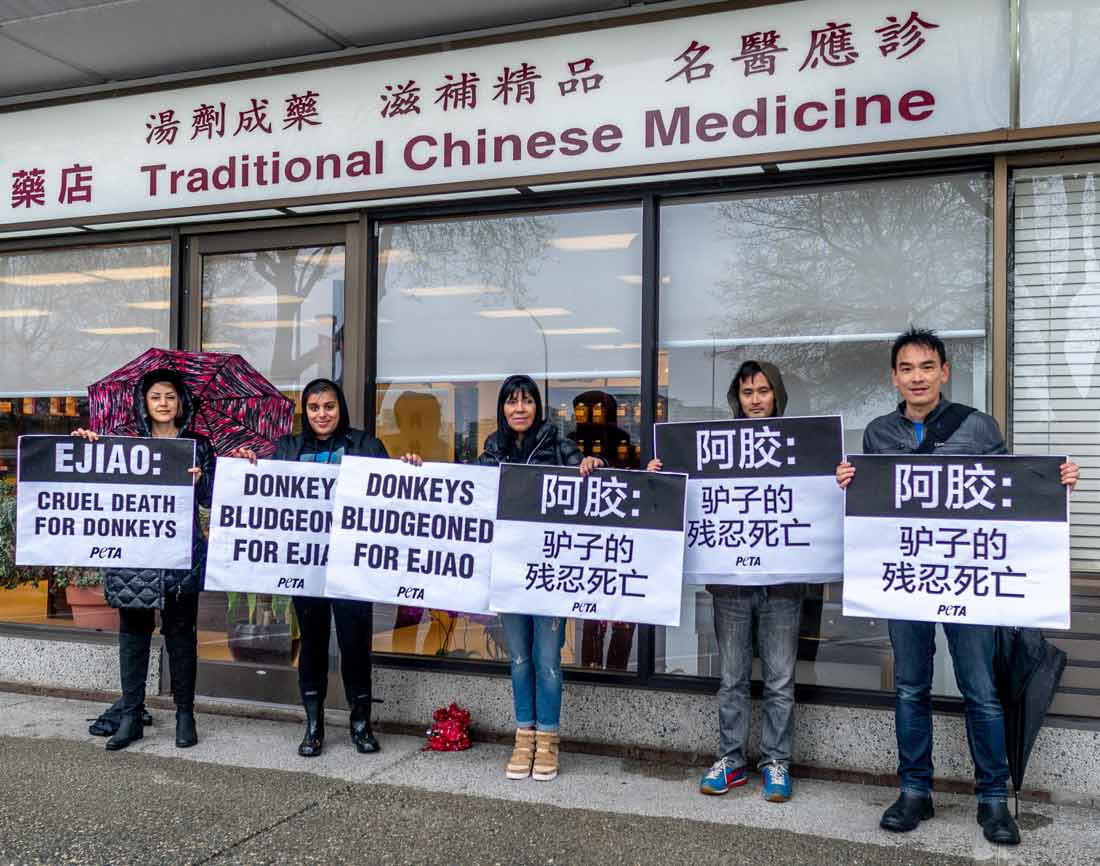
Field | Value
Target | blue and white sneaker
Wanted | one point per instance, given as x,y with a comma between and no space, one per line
777,783
722,776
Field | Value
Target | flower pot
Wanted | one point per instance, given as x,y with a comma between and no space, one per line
90,608
262,643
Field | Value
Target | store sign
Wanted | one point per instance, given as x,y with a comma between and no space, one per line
958,539
763,506
120,502
758,81
416,535
606,547
269,527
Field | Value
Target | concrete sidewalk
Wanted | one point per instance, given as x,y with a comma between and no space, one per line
243,795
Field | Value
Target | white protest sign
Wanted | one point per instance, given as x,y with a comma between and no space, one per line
122,502
763,506
413,534
269,527
610,546
981,540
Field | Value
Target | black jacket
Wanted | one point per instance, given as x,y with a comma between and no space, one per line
147,587
550,449
357,443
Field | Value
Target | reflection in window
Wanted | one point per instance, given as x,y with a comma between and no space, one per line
463,304
819,281
67,318
283,311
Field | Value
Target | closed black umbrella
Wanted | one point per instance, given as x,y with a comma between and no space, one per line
1027,669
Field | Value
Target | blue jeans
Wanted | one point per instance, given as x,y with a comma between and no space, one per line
534,645
778,611
971,649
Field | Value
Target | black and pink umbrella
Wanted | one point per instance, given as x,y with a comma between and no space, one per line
235,405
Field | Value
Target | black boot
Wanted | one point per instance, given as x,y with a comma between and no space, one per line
314,740
107,722
998,825
133,668
361,733
186,735
906,813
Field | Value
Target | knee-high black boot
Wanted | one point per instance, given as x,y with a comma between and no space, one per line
133,664
361,733
314,740
183,667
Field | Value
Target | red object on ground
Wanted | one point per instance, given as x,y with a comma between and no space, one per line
450,730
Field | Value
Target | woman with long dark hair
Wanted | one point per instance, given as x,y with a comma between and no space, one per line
523,435
164,408
328,437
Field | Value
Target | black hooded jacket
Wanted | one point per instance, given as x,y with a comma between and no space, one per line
147,587
356,443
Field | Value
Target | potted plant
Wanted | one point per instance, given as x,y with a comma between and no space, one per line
12,575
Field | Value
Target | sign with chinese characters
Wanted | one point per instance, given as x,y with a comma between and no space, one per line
763,506
120,502
609,546
980,540
418,535
746,82
269,527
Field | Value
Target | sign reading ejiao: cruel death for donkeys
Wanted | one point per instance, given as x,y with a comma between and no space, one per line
417,535
957,539
122,501
609,546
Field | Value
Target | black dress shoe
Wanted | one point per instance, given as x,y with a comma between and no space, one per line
907,813
129,730
998,825
186,736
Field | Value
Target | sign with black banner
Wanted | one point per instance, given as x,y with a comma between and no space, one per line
269,527
763,506
981,540
418,535
609,546
122,502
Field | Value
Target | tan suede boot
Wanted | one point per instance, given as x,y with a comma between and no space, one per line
519,765
546,756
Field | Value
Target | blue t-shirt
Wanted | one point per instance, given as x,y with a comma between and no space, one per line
335,456
918,428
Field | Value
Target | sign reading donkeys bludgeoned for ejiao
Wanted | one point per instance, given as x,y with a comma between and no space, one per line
763,506
609,546
418,535
121,502
980,540
269,527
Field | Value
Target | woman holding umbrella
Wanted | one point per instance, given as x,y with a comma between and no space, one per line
534,642
163,407
327,437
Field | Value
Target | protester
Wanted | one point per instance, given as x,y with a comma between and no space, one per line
757,391
523,435
163,408
327,437
927,423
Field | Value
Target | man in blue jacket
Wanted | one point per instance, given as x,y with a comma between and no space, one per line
920,368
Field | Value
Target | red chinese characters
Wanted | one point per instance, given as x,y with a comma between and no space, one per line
76,184
693,68
162,127
301,111
401,99
909,35
28,187
579,70
458,92
758,52
254,118
516,84
831,45
208,120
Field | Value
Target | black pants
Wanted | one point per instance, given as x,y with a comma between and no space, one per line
135,632
353,634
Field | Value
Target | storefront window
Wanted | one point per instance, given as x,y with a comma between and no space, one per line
1056,380
463,304
819,281
67,318
282,310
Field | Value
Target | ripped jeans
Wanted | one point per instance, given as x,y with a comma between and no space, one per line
534,646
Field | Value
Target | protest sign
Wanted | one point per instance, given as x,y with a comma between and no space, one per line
608,547
120,502
763,506
417,535
980,540
269,527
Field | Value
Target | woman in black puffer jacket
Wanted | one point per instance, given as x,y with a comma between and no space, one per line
163,407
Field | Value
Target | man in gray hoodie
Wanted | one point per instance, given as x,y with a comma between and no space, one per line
757,391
